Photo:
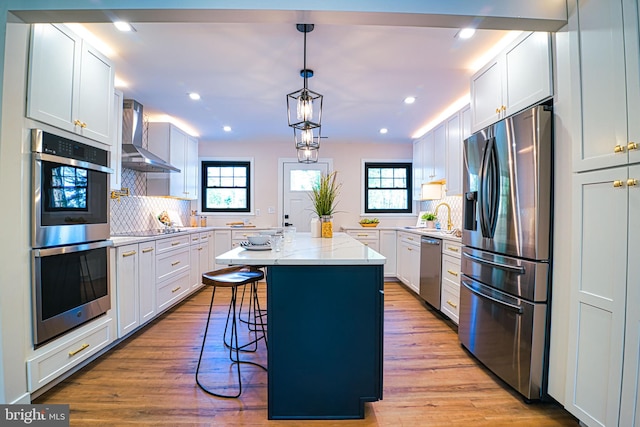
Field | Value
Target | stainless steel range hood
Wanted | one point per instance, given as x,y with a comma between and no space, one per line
134,156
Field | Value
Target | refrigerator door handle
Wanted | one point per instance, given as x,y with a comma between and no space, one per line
517,270
482,191
505,304
492,174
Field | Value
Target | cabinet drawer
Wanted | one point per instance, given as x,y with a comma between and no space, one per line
172,263
172,290
451,248
165,245
44,368
363,234
450,301
204,237
410,238
451,269
194,238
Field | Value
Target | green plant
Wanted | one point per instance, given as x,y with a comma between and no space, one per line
324,194
428,216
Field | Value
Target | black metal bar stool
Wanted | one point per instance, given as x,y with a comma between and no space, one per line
253,309
233,278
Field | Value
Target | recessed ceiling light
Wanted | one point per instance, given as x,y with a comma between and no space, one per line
466,33
410,100
384,130
195,96
124,26
227,128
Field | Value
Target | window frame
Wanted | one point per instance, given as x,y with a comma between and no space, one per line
206,163
371,164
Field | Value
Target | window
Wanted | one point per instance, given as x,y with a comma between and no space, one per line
226,186
387,188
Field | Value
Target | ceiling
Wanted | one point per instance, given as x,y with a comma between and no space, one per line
244,70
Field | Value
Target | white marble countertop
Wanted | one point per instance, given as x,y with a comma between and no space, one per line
409,229
341,249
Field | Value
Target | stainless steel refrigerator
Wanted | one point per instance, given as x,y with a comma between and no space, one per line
506,255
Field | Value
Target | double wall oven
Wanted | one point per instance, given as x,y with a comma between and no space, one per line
70,234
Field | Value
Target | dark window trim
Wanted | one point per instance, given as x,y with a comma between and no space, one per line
409,189
224,163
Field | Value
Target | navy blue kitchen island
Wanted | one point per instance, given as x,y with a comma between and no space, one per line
325,302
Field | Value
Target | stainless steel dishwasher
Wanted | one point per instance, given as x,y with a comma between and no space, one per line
430,268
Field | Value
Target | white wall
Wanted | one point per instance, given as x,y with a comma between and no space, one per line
346,158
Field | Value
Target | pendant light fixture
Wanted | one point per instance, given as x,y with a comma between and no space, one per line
304,111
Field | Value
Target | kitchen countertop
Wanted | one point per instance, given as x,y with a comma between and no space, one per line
135,237
409,229
341,249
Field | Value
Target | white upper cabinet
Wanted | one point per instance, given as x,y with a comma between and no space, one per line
453,170
516,79
434,154
418,167
70,84
180,150
604,95
116,147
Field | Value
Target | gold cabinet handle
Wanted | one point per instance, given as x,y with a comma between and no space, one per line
126,254
74,352
173,264
632,146
632,182
497,110
618,183
409,249
452,304
145,250
195,239
453,249
362,235
618,149
453,273
174,290
175,243
199,249
409,238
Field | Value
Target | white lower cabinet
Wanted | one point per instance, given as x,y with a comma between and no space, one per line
63,354
222,244
387,244
173,273
408,257
135,286
147,281
199,257
450,295
367,237
605,278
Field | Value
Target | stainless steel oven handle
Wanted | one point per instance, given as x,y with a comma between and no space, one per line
517,270
512,307
71,162
59,250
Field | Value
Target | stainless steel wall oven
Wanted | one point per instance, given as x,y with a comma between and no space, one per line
70,191
70,234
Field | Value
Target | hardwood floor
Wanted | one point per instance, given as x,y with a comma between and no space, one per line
429,380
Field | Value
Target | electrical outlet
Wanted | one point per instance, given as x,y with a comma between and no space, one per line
257,212
271,210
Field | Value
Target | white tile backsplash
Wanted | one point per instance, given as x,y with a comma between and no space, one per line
137,212
456,210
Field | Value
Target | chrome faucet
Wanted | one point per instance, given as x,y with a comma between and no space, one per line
449,223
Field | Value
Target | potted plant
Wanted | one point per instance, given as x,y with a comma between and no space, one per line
324,194
429,219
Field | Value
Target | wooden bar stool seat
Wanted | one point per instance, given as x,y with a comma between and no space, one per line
233,278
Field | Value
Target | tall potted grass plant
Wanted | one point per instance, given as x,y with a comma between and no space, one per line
324,195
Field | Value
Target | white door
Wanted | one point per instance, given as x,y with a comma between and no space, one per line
298,180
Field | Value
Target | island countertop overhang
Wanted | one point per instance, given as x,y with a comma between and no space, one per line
341,249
